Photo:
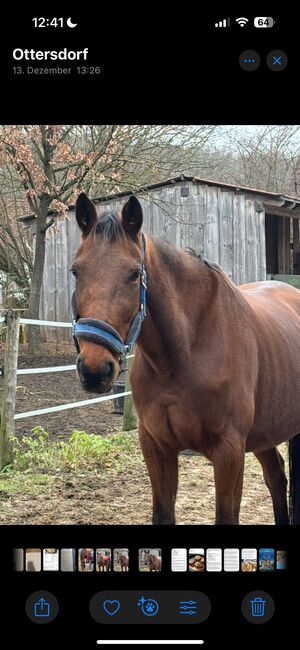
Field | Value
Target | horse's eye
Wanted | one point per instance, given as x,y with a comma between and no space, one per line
74,272
134,276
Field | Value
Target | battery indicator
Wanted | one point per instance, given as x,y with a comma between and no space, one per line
263,21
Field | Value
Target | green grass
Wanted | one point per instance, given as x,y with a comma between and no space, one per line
41,463
13,483
82,451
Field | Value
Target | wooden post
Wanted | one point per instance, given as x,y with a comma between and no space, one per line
9,388
294,495
296,245
296,235
283,246
129,416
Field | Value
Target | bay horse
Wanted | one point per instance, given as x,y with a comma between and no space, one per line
216,368
123,561
154,561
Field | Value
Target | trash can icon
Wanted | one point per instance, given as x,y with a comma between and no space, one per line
258,606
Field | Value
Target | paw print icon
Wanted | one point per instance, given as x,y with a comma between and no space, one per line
149,606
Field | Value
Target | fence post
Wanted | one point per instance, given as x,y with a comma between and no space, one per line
129,416
9,387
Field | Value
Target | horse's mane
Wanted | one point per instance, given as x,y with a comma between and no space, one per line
111,228
199,256
211,265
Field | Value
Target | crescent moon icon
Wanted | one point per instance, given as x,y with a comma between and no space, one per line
70,24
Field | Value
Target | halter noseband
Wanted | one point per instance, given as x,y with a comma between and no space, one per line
98,331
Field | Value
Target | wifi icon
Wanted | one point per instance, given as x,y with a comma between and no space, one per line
242,21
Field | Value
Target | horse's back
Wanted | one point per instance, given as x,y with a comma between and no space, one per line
275,317
272,293
274,286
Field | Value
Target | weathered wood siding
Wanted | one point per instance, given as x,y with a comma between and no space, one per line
226,227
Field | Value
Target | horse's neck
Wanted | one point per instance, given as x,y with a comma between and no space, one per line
182,293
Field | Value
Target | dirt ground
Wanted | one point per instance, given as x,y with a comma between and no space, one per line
126,499
111,498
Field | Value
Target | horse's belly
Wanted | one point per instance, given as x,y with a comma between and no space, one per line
276,424
277,403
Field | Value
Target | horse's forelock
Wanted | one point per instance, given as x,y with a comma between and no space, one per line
110,227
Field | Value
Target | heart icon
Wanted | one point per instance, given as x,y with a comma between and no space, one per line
111,607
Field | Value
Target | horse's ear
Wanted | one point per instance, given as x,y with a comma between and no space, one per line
132,216
86,215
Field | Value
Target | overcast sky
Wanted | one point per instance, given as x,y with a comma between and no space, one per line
227,134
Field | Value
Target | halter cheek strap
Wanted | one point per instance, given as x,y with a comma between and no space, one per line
98,331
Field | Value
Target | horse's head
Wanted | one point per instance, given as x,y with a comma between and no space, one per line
107,267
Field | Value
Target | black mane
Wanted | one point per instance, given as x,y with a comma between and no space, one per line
199,256
110,226
193,253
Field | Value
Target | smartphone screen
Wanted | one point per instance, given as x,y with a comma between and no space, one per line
149,327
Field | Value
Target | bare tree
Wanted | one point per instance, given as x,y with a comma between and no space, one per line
53,163
267,158
16,255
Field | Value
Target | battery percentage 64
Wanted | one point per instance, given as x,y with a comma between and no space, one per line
263,21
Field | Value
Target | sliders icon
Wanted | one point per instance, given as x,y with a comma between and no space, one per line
188,607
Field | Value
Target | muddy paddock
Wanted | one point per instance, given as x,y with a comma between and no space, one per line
89,497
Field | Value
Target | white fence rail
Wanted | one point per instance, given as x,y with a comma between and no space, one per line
71,405
33,371
37,371
33,321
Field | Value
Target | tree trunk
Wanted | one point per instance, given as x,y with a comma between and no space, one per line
34,332
9,388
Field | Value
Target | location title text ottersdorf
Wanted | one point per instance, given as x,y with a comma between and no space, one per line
50,55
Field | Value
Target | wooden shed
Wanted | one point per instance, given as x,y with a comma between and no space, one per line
249,232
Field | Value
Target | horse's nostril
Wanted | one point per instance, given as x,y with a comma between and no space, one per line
106,371
98,380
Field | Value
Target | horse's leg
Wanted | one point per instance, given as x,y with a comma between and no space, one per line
163,471
294,472
273,470
228,457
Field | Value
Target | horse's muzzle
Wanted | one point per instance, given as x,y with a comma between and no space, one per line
96,382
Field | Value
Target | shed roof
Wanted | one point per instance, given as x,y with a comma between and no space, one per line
277,201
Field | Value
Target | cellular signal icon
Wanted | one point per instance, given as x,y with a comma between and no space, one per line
223,23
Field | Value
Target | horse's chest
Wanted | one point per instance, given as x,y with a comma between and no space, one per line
176,421
181,414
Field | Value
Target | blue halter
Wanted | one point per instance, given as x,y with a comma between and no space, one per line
98,331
